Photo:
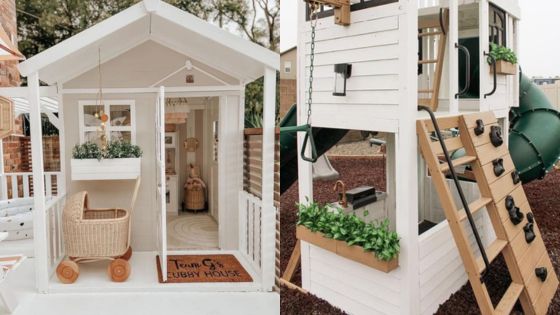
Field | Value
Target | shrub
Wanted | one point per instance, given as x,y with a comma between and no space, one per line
114,150
502,53
334,223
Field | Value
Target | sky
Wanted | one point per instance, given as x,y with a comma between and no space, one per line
539,37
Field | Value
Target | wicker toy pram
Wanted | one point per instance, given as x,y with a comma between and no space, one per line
195,190
93,235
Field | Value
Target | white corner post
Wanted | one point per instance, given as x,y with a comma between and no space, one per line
453,55
485,82
268,212
39,212
61,179
406,168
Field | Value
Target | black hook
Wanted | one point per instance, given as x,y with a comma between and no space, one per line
498,167
541,273
529,233
496,136
515,177
510,203
479,129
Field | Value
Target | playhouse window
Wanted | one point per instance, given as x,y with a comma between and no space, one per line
287,67
119,121
497,27
358,5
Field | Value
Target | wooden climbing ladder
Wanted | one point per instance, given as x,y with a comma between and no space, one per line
518,238
433,28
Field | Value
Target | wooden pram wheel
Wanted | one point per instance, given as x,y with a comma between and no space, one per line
119,270
67,271
128,254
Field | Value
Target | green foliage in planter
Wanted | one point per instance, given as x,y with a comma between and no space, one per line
114,150
334,223
502,53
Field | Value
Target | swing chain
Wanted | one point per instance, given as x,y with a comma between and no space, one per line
313,17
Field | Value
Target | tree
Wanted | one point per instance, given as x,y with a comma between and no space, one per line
44,23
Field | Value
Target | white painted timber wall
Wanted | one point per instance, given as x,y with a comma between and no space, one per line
371,44
441,270
351,286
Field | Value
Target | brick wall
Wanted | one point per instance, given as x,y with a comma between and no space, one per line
9,74
288,95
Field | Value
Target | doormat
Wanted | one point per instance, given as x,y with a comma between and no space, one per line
203,268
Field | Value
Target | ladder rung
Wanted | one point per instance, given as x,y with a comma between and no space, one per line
421,62
508,300
426,91
425,101
474,207
458,162
429,34
492,252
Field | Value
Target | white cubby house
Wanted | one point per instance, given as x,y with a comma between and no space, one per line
383,46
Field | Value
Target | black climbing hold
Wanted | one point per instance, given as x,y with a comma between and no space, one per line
479,129
530,217
515,177
498,167
529,234
515,215
541,273
496,136
510,203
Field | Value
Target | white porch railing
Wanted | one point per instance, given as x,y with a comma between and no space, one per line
55,245
20,185
250,227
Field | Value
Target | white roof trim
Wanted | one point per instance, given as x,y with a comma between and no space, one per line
80,40
136,12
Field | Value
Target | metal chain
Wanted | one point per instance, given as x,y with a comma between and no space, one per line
313,17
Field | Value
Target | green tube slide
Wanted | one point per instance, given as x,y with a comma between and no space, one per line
534,139
325,138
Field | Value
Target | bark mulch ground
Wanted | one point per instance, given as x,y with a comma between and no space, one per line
542,195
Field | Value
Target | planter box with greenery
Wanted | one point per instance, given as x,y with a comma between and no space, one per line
349,236
120,160
506,60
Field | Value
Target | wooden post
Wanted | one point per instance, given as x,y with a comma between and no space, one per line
268,215
39,215
3,186
485,80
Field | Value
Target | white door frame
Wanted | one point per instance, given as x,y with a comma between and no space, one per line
160,181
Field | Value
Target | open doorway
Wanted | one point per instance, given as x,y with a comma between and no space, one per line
191,173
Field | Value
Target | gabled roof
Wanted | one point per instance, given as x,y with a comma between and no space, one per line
162,23
8,51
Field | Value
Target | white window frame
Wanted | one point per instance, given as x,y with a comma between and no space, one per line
109,128
287,67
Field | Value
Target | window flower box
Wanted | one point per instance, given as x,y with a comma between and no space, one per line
355,253
505,68
105,169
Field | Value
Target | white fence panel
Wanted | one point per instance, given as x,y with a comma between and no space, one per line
19,185
250,229
55,248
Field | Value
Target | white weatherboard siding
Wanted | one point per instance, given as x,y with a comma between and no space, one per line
353,287
371,44
441,270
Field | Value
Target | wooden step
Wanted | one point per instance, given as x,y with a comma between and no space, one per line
458,162
426,91
429,34
492,252
422,62
474,207
509,299
425,101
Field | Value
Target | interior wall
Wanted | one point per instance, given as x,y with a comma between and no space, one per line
109,194
212,114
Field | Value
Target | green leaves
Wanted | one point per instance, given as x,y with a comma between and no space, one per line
502,53
114,150
334,223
